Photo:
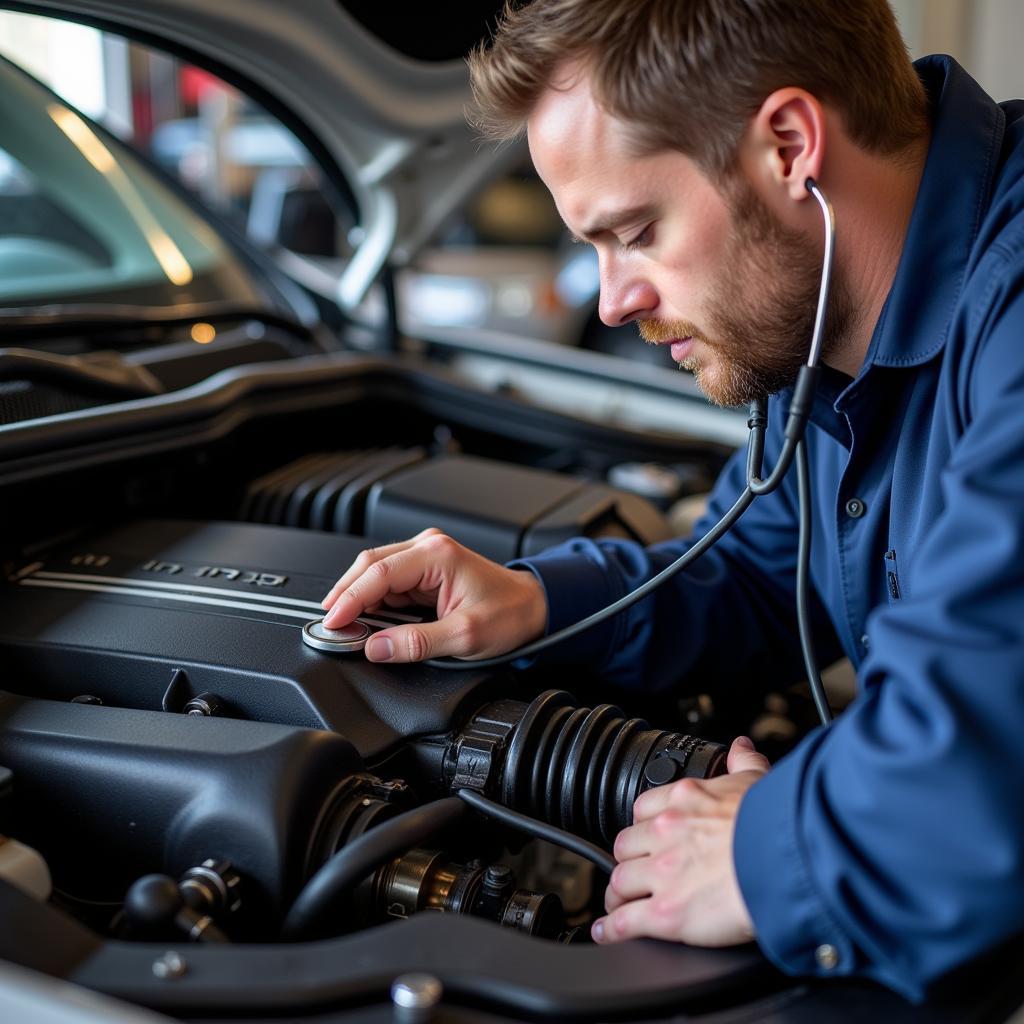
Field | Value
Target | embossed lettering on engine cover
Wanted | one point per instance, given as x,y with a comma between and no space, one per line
252,577
259,579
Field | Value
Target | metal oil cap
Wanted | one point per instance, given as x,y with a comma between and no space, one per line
349,638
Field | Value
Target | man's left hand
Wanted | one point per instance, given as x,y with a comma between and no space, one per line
675,878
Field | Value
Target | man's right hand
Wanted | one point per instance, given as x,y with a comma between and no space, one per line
483,609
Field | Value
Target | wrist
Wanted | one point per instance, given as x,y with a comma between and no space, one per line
534,604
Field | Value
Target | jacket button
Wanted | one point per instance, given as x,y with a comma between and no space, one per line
865,643
827,956
855,508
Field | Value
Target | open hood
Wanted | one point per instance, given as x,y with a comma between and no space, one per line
394,126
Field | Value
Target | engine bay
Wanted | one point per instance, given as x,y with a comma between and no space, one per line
210,818
214,763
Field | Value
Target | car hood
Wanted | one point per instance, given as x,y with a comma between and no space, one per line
393,126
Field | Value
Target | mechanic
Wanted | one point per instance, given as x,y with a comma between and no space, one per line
677,137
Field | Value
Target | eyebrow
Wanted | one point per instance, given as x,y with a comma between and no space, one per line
613,219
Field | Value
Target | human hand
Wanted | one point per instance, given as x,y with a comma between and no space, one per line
675,878
483,609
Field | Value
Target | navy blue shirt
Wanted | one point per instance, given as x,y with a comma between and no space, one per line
890,844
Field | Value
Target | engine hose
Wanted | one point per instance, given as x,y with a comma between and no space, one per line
323,894
539,830
581,769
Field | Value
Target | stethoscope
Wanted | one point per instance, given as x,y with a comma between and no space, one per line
793,448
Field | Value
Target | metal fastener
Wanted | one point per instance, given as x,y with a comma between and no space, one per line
498,874
170,966
827,956
415,996
855,508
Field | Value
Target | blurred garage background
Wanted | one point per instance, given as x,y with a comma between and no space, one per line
505,264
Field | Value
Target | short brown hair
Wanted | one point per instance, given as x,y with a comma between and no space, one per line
689,74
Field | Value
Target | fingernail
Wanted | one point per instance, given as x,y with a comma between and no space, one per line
328,614
380,648
597,931
744,741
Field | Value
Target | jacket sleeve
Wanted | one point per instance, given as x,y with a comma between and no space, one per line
743,587
891,844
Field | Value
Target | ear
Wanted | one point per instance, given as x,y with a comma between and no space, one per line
785,142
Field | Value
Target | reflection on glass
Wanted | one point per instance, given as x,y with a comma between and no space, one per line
85,221
168,255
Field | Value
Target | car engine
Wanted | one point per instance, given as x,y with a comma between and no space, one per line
185,778
174,706
203,815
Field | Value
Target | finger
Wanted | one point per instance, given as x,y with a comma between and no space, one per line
744,758
684,795
612,901
651,835
363,562
365,559
396,573
391,601
446,637
659,840
638,917
629,881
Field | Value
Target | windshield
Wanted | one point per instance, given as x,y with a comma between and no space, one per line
84,221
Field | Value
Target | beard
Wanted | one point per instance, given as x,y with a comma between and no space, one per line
760,320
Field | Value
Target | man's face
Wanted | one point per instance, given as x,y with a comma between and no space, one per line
708,271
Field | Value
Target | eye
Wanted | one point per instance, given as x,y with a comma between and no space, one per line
639,241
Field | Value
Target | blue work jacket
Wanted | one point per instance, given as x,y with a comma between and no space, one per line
890,844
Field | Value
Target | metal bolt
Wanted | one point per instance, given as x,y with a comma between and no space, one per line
206,705
170,966
415,996
498,875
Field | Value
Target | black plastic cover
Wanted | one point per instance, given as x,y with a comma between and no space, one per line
504,511
111,793
215,608
323,490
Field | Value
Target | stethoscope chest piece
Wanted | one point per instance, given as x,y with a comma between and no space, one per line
349,638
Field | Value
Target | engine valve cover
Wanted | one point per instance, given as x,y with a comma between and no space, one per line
155,613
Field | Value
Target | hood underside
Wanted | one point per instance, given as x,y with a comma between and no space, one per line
394,127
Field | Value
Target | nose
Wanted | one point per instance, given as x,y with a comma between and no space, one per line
625,296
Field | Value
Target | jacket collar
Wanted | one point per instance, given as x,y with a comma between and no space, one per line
955,191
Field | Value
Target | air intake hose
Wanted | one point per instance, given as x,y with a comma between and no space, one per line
578,768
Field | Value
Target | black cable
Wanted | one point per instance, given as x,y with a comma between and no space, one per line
539,829
755,445
803,572
757,424
758,486
323,893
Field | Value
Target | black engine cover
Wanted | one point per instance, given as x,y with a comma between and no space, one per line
155,612
111,793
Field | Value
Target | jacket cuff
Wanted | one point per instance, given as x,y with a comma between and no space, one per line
792,924
574,587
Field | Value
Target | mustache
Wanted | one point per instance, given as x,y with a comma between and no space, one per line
655,332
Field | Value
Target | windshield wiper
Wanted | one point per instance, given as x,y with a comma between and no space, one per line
105,373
